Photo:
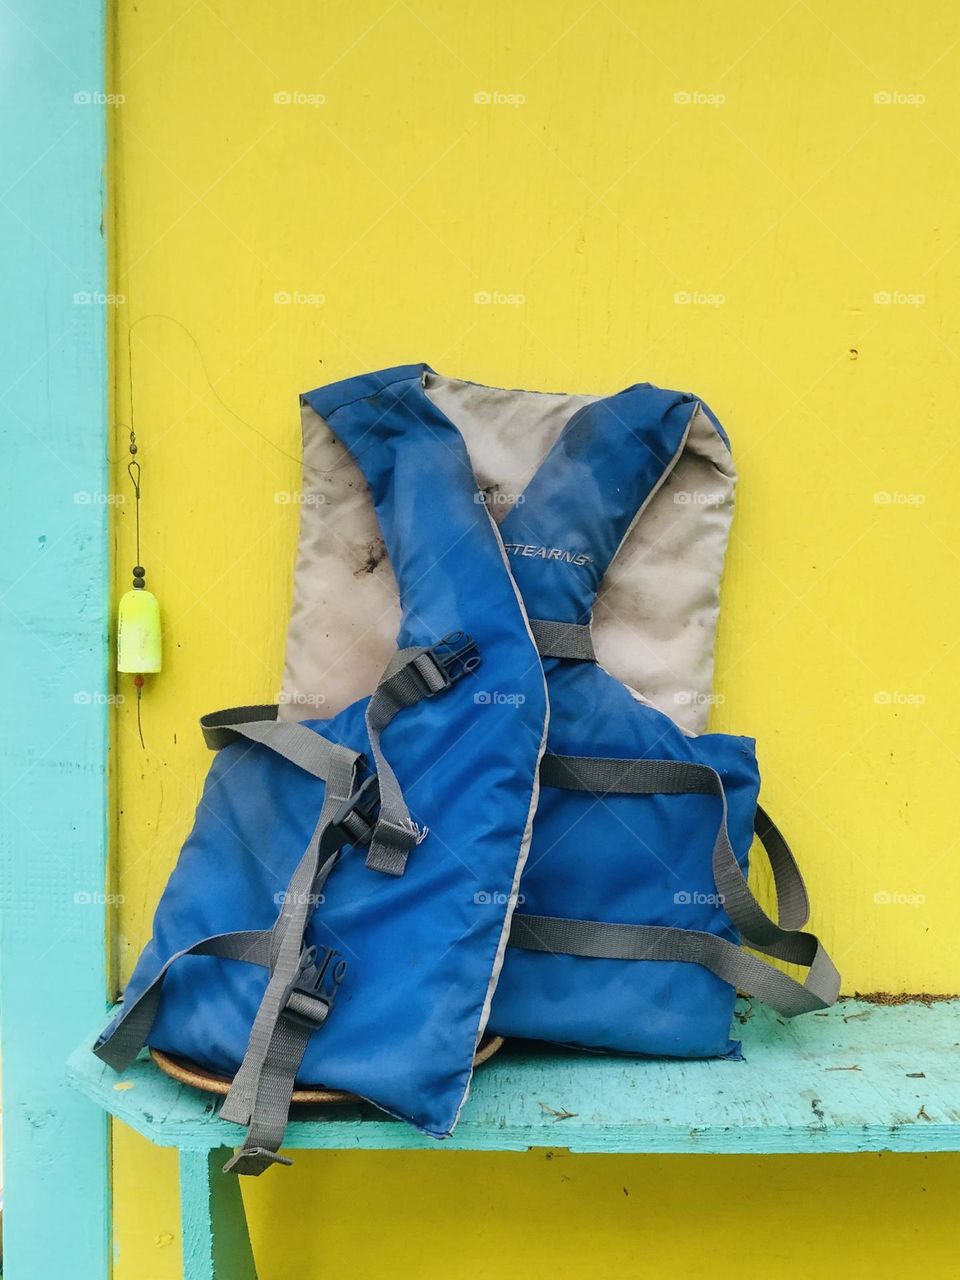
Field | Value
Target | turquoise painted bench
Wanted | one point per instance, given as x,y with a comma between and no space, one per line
860,1077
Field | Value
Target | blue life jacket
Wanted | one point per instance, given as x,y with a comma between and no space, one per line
634,893
633,899
408,955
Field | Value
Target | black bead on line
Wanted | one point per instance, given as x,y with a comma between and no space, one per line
139,572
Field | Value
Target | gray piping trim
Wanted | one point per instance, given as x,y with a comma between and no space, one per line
525,840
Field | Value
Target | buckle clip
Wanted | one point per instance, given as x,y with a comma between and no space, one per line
354,821
456,655
310,996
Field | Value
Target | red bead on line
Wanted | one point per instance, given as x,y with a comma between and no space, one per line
139,681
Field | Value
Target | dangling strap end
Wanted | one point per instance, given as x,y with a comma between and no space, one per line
252,1161
391,845
117,1056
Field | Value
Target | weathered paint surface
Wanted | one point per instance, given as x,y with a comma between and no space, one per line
555,196
858,1077
215,1243
53,631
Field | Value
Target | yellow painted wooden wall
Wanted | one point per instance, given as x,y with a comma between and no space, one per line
759,202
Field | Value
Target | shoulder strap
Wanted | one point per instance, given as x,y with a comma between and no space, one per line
588,492
259,724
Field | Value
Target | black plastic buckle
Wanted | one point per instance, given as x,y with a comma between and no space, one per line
319,983
363,804
456,655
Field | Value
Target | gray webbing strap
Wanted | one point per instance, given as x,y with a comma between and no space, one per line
287,941
748,973
607,776
410,676
296,1016
295,742
127,1034
783,938
261,1091
793,905
271,1107
563,640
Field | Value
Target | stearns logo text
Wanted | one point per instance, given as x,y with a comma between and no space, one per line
546,553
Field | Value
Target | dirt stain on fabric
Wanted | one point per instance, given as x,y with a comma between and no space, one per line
372,555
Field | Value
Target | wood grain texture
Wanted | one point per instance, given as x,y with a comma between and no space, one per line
214,1240
861,1077
53,631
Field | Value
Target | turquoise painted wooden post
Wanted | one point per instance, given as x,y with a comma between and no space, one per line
53,631
216,1245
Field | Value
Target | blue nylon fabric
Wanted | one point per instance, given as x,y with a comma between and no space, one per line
584,497
623,859
421,948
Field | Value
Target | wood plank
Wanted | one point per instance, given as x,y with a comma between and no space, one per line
54,623
861,1077
216,1244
